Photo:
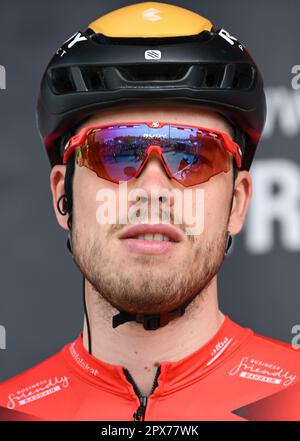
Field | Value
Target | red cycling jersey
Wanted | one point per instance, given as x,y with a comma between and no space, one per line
219,381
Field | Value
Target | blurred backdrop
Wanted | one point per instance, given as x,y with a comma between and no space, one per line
41,300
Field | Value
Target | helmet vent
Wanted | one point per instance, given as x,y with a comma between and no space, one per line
228,76
62,80
154,72
93,77
66,80
244,77
213,76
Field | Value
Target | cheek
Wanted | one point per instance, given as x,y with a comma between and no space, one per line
216,203
87,187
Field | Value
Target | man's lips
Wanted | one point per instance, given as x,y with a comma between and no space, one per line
133,232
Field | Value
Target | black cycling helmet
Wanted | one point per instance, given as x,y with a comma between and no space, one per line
149,51
144,52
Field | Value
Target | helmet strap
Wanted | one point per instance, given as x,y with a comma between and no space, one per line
228,243
150,322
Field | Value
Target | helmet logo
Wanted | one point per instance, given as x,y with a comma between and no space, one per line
152,55
76,38
224,34
150,14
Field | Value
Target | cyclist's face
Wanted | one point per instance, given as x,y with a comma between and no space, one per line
127,273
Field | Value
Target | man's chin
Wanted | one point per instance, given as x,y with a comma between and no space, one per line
138,305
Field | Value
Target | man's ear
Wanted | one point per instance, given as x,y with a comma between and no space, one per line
241,199
57,183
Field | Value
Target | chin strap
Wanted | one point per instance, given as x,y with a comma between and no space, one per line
228,244
150,321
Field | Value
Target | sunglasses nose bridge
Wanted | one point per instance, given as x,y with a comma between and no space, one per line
154,150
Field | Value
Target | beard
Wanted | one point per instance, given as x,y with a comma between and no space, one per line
142,286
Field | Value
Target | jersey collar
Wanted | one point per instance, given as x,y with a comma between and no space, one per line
173,375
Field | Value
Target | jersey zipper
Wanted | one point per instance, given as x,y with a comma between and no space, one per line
139,414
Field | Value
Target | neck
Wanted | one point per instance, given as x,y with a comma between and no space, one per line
141,351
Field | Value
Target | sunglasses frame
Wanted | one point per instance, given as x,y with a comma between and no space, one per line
79,139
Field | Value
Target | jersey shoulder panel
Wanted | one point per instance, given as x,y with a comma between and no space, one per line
21,392
268,355
276,364
276,347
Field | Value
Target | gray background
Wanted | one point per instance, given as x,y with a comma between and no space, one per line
41,299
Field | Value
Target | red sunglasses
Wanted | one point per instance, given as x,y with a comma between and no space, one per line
119,151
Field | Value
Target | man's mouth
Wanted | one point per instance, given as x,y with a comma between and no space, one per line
152,232
151,238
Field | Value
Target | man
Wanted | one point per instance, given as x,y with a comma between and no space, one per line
155,345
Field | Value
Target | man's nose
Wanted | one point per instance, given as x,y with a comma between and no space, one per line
154,174
155,182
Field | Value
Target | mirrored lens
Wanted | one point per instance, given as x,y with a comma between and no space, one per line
116,152
192,155
195,155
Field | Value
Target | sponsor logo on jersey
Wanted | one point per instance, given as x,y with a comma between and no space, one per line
37,391
257,370
218,350
81,362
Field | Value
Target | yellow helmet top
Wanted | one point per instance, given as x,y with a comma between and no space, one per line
150,19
